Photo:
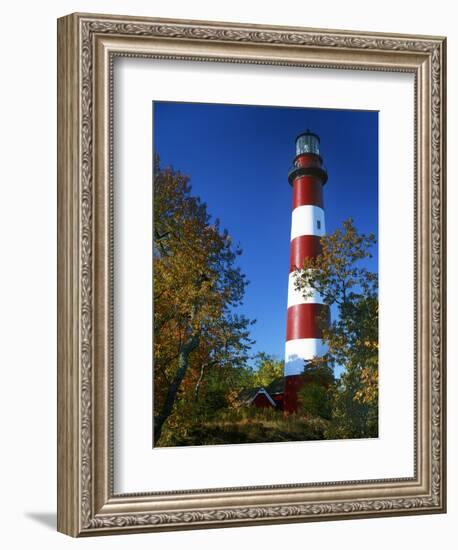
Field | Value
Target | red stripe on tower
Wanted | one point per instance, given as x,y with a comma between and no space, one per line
306,321
307,190
306,311
305,246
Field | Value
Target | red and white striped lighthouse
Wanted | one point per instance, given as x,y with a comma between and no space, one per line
303,333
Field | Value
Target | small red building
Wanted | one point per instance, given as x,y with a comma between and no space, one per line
273,395
263,400
269,397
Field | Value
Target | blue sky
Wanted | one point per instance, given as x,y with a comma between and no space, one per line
238,159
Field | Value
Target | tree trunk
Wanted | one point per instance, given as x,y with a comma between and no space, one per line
183,363
199,381
203,368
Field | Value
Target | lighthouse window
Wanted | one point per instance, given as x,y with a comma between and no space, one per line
318,224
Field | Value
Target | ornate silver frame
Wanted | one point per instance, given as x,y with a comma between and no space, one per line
87,44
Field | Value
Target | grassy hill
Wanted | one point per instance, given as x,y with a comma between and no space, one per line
248,425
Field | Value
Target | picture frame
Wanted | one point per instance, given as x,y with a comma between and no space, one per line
88,44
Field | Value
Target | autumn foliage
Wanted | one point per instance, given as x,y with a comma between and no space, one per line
339,275
202,344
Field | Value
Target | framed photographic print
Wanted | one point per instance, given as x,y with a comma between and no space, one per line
251,285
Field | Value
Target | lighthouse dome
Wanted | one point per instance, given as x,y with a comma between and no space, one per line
307,142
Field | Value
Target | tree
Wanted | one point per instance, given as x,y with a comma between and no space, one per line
315,394
266,369
352,338
197,287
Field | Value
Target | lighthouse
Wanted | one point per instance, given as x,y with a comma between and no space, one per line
303,332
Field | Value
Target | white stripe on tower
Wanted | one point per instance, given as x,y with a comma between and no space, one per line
307,220
300,349
296,296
